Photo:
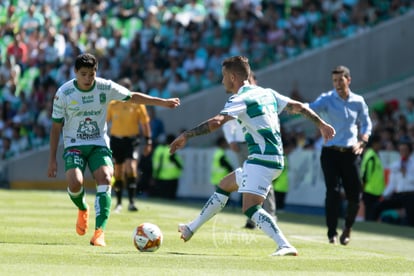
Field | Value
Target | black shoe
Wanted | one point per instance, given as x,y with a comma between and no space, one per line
345,237
333,240
250,225
132,208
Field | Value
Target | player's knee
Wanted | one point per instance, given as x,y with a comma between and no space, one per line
228,186
74,186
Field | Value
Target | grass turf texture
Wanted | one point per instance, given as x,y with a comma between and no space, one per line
37,237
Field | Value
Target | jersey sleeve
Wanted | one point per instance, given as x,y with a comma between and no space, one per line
228,131
281,100
110,111
233,107
120,92
59,106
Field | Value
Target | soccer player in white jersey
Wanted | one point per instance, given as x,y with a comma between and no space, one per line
256,109
79,110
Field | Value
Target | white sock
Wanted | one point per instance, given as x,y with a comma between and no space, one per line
214,205
268,225
103,189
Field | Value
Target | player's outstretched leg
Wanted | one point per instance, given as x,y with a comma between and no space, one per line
213,206
267,223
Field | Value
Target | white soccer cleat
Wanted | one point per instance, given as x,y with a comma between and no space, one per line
285,251
185,231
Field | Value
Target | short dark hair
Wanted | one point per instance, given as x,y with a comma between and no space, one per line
86,60
238,65
340,69
374,138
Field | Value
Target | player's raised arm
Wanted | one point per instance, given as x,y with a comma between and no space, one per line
141,98
327,131
206,127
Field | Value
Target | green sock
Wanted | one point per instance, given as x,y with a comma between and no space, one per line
79,199
102,206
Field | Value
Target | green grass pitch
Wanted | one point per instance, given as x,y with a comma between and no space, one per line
37,237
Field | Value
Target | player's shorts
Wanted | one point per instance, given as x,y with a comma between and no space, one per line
255,179
93,156
124,148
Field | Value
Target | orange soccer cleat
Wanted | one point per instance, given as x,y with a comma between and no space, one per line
82,223
98,238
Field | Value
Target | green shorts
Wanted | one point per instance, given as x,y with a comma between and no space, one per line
93,156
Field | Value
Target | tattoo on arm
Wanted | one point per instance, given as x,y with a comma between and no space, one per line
201,129
311,115
289,108
307,112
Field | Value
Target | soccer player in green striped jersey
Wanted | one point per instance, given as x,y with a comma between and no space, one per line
256,109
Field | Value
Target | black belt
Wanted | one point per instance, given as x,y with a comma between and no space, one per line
340,149
406,193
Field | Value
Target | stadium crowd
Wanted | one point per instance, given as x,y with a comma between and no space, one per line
167,48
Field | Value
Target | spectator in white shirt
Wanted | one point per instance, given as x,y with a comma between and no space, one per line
399,193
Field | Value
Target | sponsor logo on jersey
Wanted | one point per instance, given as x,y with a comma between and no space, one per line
88,130
102,86
68,91
91,113
72,152
87,99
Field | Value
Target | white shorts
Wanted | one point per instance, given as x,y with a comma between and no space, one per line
255,179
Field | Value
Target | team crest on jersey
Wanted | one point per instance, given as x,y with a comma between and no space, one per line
88,130
102,98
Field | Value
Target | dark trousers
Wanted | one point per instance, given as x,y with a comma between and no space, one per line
370,203
397,201
280,200
165,188
340,168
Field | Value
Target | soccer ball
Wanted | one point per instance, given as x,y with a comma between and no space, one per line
147,237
